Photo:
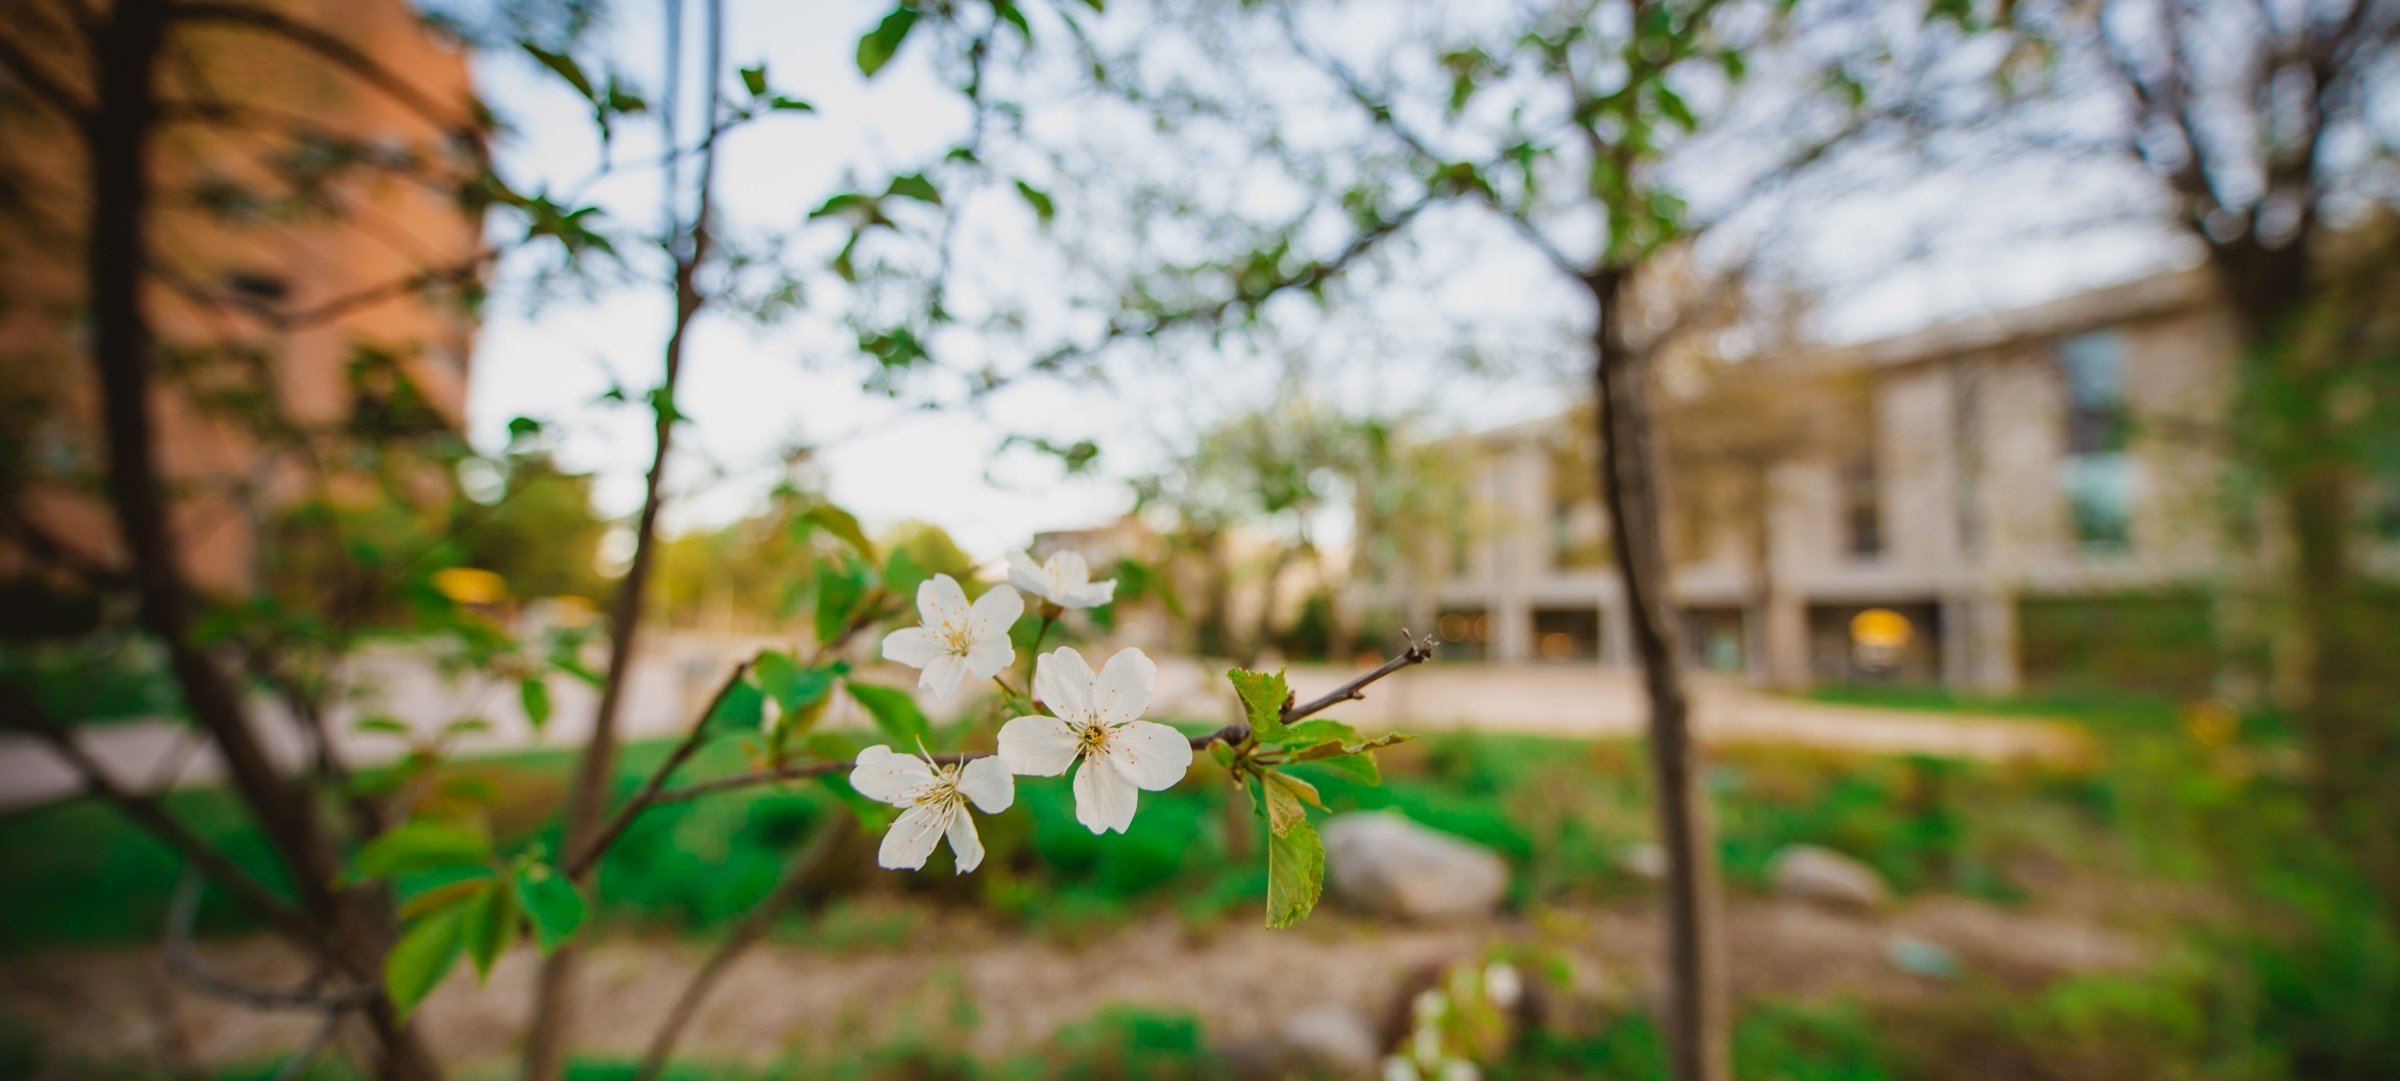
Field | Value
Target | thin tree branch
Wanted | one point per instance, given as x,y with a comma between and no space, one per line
183,910
21,710
1418,652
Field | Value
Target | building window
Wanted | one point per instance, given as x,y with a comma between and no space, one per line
2097,476
1862,511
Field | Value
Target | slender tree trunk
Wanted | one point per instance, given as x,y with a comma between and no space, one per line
545,1036
1698,1011
354,929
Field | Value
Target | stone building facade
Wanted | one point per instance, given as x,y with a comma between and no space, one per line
2023,500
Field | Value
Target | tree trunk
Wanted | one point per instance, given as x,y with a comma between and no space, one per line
353,929
545,1035
1698,1012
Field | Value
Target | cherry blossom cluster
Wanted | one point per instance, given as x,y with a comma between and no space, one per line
1085,721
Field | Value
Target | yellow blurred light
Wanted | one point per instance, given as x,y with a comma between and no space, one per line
1454,627
467,585
1881,628
1558,645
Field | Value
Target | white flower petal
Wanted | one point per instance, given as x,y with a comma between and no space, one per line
890,778
1062,681
940,602
1093,595
1038,746
912,838
996,610
989,655
1067,569
1104,799
1026,574
942,675
1123,690
912,646
987,782
964,844
1151,755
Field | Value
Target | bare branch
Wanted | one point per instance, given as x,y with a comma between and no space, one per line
20,709
1418,652
184,961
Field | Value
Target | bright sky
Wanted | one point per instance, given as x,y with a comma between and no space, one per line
752,391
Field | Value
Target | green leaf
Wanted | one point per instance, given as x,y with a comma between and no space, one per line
553,904
535,694
1301,790
839,591
895,711
1039,200
1283,804
754,78
489,925
914,186
1360,767
420,959
882,43
1013,16
792,687
782,103
441,898
844,203
740,712
902,574
385,725
1311,733
422,845
566,68
1295,874
1262,697
843,524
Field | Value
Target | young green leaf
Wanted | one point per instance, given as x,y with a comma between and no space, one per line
914,186
1262,697
488,924
785,104
422,845
566,68
902,574
1283,805
1295,874
422,957
1039,200
553,905
839,591
385,726
754,79
1304,791
843,524
1312,732
740,711
535,694
446,896
895,711
1360,767
882,43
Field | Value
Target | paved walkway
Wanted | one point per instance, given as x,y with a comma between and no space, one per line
672,682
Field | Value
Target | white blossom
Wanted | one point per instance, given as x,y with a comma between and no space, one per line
934,798
956,639
1063,579
1098,722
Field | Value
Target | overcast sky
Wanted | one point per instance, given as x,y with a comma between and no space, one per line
752,391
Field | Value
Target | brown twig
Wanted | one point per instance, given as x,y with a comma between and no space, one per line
684,749
183,910
1417,652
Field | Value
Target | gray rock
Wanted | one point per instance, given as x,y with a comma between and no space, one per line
1824,876
1330,1041
1387,865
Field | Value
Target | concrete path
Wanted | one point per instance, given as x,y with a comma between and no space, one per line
672,682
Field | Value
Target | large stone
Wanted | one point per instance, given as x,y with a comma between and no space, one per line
1387,865
1330,1041
1826,877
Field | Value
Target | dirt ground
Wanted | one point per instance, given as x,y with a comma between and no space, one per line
960,979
